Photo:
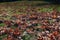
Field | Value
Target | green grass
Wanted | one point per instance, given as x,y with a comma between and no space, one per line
3,36
2,24
58,8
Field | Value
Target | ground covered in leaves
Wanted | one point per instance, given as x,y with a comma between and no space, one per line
26,14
